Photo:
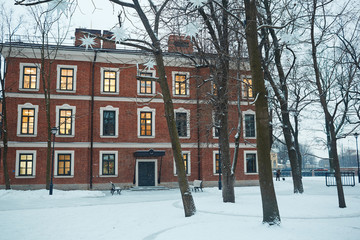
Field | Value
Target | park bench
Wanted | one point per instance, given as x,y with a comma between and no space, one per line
197,185
115,189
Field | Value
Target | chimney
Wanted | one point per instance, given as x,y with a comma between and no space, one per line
108,44
181,44
80,33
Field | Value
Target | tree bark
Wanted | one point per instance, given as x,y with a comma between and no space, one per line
269,203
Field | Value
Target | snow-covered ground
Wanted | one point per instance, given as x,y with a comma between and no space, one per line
159,215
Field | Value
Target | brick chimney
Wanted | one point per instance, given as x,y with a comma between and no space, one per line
108,44
181,44
79,33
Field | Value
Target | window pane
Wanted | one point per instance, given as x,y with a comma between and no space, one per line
146,124
109,123
181,124
65,120
25,164
109,84
251,163
249,125
29,77
66,79
180,85
27,120
247,88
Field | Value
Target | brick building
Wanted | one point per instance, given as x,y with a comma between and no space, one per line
110,119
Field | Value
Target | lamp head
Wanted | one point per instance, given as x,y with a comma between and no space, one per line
54,130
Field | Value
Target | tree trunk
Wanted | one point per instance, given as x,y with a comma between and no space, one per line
5,141
269,203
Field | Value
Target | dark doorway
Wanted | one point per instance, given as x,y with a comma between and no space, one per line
146,173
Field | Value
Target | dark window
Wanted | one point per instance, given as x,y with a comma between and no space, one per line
109,84
251,163
180,84
109,123
146,85
66,79
181,124
65,121
145,123
249,125
27,121
217,126
29,77
26,164
108,164
64,165
217,163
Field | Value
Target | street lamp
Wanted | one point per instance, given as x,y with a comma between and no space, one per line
53,132
357,154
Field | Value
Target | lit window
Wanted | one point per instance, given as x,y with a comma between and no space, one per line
146,124
109,81
29,77
146,86
217,167
249,125
181,84
250,159
64,165
108,164
65,120
66,79
27,121
26,164
247,88
186,159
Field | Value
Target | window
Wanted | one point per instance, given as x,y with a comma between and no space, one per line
109,80
250,162
146,122
108,163
182,119
65,120
109,121
249,120
186,158
217,167
64,164
145,85
66,80
25,164
27,120
181,84
216,124
29,77
247,88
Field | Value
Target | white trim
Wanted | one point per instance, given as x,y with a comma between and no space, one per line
187,74
56,155
21,73
101,163
153,83
137,169
66,107
189,163
257,165
109,108
182,110
17,162
74,67
214,162
20,107
146,109
116,81
248,112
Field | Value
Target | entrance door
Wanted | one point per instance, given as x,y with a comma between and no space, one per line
146,173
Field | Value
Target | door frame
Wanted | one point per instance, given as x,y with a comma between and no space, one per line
155,169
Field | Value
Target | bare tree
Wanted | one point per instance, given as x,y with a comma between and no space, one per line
269,203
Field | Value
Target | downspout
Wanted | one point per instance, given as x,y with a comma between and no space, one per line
92,120
198,123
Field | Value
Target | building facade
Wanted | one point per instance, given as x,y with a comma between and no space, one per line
110,122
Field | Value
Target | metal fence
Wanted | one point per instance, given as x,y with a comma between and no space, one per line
347,179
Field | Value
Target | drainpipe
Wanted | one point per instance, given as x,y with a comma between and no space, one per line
92,121
198,123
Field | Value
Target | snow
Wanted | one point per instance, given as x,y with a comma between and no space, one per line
159,214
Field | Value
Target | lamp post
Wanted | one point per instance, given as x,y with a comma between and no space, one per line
53,132
357,155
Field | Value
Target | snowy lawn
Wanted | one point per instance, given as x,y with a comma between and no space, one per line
159,215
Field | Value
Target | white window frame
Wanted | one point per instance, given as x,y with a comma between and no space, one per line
189,163
66,107
146,109
109,108
72,153
22,65
102,80
74,67
187,74
182,110
257,165
17,162
248,112
214,162
101,163
153,83
20,107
